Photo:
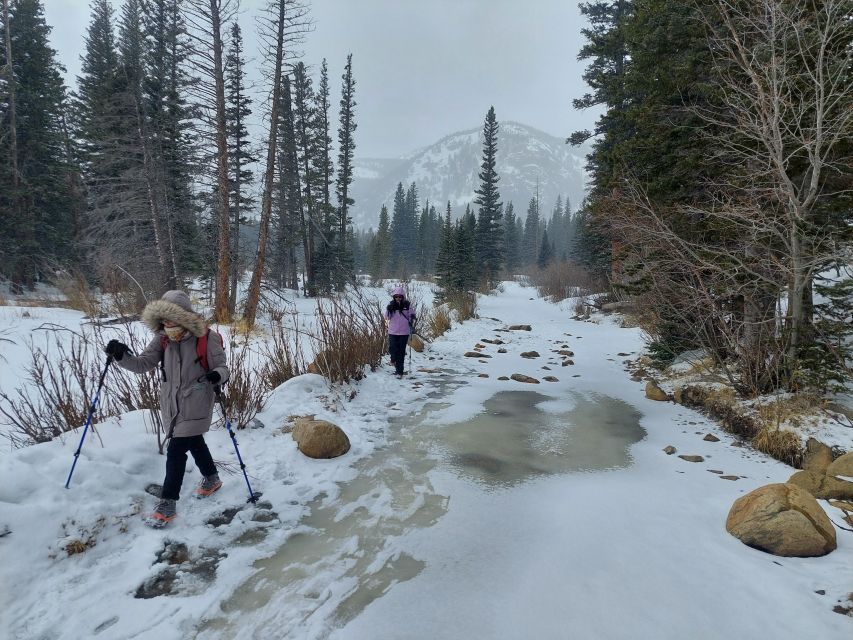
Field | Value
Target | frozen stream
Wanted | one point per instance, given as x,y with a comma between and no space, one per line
352,548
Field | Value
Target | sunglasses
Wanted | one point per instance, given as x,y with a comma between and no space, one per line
401,297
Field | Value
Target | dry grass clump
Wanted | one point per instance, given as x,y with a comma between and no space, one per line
351,335
437,321
283,355
78,294
562,280
464,303
788,409
782,444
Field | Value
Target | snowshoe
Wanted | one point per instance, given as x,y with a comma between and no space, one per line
208,486
165,511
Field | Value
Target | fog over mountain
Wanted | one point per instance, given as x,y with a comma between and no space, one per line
447,170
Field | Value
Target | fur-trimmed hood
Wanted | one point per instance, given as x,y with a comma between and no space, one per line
176,307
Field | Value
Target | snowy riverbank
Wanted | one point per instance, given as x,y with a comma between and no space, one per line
637,552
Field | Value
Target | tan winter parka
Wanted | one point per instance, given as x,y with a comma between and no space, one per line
186,403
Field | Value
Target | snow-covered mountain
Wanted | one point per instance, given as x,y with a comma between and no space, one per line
447,170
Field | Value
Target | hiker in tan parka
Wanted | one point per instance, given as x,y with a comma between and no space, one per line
186,393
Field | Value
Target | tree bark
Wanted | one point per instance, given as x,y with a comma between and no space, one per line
10,80
254,293
221,313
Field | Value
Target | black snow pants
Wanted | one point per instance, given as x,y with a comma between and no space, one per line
397,348
176,463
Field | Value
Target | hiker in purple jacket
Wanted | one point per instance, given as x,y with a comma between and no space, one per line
400,318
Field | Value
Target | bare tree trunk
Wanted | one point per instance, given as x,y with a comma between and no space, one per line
254,293
10,80
221,312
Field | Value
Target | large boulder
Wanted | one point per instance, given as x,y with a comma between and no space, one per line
320,438
842,466
654,392
782,519
416,343
817,457
823,486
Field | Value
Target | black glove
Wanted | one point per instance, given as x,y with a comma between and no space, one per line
116,349
212,377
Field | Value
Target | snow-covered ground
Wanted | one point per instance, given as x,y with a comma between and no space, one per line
636,552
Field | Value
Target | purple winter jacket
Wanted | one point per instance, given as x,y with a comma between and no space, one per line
398,321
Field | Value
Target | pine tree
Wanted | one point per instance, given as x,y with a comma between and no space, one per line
446,261
381,253
346,152
532,229
512,240
328,231
289,204
467,274
489,240
241,156
303,117
546,252
37,209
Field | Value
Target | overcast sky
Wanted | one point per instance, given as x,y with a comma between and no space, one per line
423,68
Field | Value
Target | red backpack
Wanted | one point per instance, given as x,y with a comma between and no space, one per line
201,349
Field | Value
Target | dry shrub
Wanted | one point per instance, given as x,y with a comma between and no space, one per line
351,335
563,280
283,355
60,382
78,294
247,390
464,303
782,444
437,321
788,409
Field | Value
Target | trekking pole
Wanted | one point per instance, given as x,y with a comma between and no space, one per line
89,419
221,399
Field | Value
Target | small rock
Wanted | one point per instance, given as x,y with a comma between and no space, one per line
568,363
520,377
623,354
479,346
714,471
692,458
474,354
710,437
550,379
729,477
546,367
483,375
520,327
503,378
567,353
501,350
254,423
529,354
669,450
820,592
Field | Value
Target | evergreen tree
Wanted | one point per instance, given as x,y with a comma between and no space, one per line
467,274
329,232
489,240
512,240
446,267
288,201
346,153
37,207
241,156
531,240
303,117
546,252
381,251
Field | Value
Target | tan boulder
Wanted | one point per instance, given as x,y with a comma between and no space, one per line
823,486
320,438
817,457
782,519
416,343
842,466
692,458
654,392
529,354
